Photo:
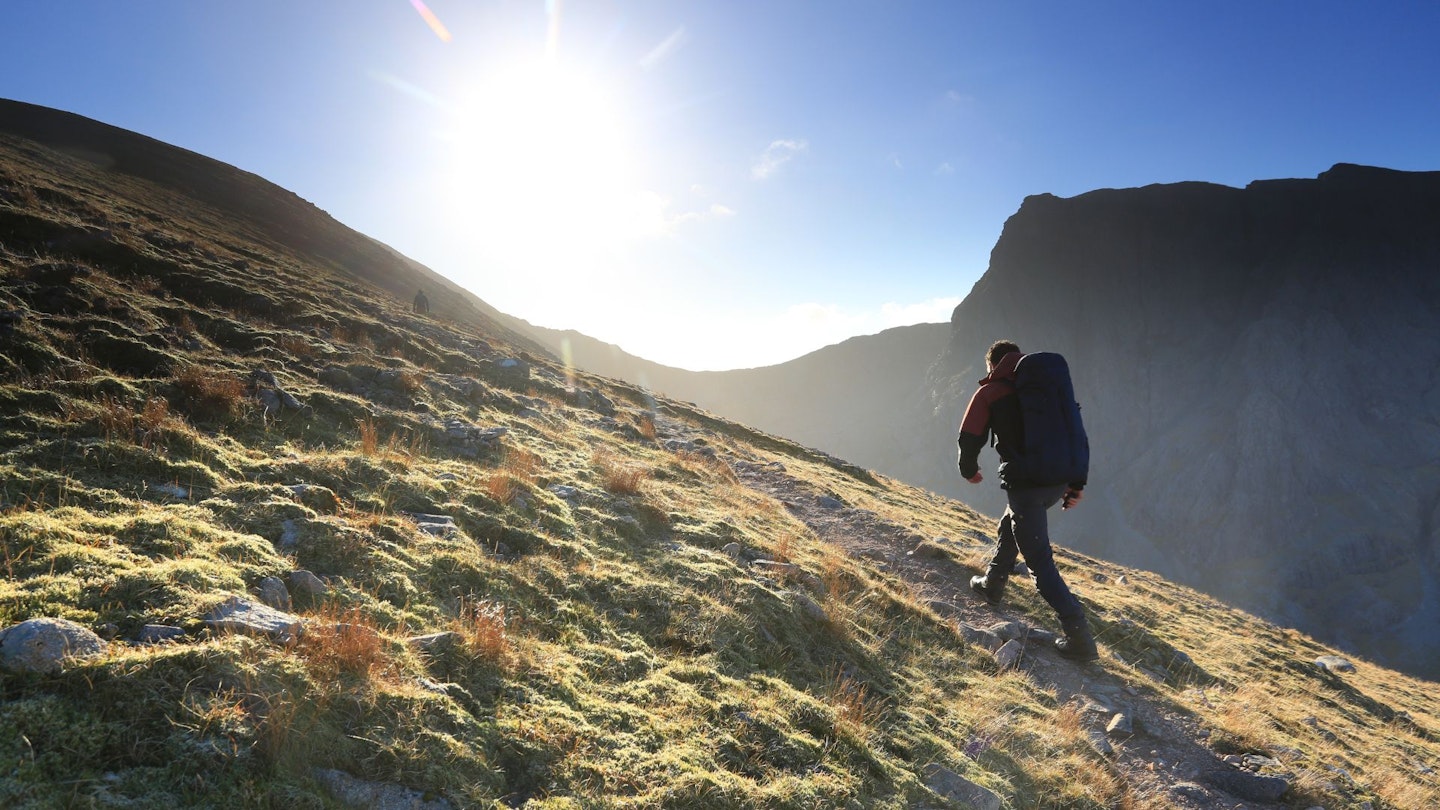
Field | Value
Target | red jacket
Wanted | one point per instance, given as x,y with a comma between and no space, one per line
994,409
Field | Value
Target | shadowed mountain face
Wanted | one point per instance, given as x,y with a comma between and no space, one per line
1258,369
1260,375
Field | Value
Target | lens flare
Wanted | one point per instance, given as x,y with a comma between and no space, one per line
431,20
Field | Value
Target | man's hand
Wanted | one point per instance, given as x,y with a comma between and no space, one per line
976,478
1072,497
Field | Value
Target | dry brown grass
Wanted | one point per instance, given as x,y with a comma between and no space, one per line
484,630
344,643
118,421
501,487
854,705
784,548
619,476
369,437
1243,718
521,464
296,345
209,393
646,425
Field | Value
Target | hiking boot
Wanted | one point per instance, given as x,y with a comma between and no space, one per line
991,585
1078,644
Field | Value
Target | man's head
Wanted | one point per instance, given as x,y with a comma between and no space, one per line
998,350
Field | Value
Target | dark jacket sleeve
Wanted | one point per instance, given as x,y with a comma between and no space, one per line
974,433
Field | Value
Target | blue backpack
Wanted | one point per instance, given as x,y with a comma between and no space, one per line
1053,448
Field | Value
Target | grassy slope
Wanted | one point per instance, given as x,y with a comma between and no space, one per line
611,654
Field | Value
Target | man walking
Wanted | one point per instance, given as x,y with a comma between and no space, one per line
996,409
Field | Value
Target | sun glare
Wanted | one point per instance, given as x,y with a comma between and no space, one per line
542,175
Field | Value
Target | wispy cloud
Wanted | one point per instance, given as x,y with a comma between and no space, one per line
664,50
944,168
777,154
715,211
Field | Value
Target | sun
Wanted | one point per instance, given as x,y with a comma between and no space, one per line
543,175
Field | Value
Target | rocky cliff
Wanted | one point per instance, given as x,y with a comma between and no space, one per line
1260,375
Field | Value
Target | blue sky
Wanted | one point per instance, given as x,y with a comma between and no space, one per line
727,183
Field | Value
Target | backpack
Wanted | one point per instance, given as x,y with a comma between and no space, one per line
1053,447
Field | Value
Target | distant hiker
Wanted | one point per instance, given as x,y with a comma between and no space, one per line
1028,404
422,304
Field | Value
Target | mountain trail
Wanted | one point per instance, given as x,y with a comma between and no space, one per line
1162,759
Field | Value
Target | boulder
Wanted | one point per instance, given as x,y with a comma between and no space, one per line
359,793
272,592
43,645
956,788
240,615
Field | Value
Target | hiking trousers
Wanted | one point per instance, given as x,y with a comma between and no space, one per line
1024,529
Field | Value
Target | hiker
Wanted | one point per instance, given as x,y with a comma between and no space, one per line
422,304
995,409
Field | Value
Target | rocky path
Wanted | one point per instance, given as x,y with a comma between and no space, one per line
1154,744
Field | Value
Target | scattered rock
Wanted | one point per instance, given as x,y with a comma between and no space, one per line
339,379
43,645
808,606
1097,741
956,788
943,607
237,615
307,584
1009,630
465,439
271,395
734,550
681,446
273,593
830,502
436,525
510,372
159,634
979,637
1120,726
359,793
435,643
1248,786
289,534
565,492
1009,654
269,400
1190,791
1334,663
592,400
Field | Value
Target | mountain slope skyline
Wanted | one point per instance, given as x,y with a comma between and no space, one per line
302,543
791,175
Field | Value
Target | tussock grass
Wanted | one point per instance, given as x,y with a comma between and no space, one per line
618,475
210,394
